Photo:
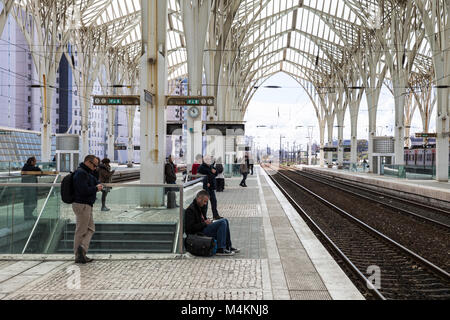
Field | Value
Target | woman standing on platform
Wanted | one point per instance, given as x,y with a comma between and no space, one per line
105,176
220,179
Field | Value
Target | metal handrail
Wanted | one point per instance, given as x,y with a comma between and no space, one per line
179,241
106,185
193,182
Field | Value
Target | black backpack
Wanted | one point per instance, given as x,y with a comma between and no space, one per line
67,189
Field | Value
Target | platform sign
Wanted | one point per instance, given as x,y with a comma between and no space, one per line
117,100
190,101
330,149
120,147
426,135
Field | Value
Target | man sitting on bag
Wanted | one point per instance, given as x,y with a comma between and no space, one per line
196,222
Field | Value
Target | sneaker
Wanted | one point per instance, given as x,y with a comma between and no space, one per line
224,252
235,250
105,209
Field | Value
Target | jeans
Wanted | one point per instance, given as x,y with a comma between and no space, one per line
219,230
220,184
244,179
213,199
104,195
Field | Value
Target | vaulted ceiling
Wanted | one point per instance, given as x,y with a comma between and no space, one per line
309,39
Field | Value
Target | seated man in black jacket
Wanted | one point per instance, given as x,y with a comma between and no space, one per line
196,222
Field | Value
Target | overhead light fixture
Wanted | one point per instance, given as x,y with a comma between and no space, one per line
268,87
356,87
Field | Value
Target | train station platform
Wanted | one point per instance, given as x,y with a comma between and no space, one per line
429,190
281,259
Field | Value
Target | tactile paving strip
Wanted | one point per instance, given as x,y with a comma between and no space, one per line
310,295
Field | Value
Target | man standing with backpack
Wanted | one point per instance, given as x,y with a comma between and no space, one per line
85,187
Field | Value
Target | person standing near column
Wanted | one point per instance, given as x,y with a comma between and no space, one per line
210,184
86,187
170,176
30,200
105,176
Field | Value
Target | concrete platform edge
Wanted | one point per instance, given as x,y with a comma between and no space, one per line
275,270
336,281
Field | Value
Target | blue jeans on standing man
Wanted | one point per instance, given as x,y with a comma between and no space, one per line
213,199
219,230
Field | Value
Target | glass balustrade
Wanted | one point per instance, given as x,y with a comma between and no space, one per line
356,167
20,205
16,167
137,218
408,172
232,170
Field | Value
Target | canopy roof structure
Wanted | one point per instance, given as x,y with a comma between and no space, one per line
307,39
335,49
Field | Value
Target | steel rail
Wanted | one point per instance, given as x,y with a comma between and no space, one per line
425,206
404,211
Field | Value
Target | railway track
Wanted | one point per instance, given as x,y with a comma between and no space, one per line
425,237
126,176
418,210
390,270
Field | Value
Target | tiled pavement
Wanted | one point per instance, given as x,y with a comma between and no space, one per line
273,263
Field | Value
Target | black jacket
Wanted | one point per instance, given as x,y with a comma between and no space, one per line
104,173
219,168
210,177
85,185
170,176
193,218
30,168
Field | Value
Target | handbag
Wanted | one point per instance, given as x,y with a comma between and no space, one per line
200,245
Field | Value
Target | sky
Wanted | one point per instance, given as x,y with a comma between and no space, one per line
296,109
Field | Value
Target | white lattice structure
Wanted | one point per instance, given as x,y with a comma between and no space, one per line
337,50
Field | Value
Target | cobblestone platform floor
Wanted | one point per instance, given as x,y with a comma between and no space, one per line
273,263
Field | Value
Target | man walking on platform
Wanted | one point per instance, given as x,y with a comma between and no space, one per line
85,186
244,171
